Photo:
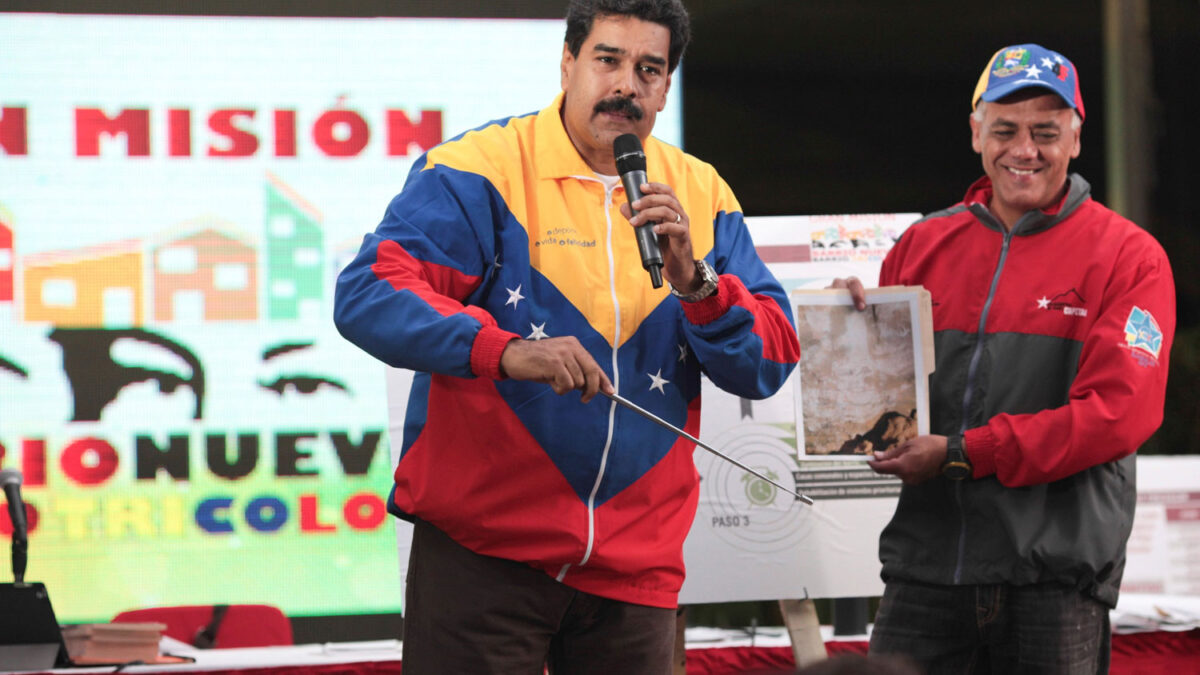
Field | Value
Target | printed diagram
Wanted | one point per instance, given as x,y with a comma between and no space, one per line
743,509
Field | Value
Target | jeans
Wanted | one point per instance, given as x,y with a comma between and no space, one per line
1040,628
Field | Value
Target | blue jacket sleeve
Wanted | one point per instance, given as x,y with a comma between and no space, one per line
744,336
403,297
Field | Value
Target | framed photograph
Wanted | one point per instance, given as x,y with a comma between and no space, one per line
864,375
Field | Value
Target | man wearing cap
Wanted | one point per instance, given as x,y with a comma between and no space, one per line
1053,320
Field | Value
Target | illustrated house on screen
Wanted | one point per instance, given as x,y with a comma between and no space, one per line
97,286
210,273
295,246
7,256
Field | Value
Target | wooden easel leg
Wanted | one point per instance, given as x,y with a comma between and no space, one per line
679,664
804,629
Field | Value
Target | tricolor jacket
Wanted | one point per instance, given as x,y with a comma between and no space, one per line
504,233
1052,343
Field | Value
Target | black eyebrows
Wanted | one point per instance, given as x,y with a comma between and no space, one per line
609,49
284,348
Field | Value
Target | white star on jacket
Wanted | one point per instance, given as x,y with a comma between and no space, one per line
514,296
538,333
1043,302
657,382
682,353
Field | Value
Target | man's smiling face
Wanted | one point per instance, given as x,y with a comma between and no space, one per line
1026,141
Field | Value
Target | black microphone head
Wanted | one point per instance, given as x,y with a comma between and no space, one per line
627,150
10,477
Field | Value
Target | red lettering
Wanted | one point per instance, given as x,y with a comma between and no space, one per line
241,143
31,519
341,133
364,511
285,133
90,123
179,132
89,461
402,133
310,516
33,461
14,133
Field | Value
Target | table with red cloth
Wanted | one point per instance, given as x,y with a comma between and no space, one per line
1154,634
1146,653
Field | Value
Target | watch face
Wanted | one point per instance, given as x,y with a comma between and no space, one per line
956,470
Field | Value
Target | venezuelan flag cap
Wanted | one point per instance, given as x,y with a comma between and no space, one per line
1019,66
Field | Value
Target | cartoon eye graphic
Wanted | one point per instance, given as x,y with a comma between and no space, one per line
100,363
13,368
301,384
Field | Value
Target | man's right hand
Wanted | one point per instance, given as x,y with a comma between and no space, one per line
857,292
560,362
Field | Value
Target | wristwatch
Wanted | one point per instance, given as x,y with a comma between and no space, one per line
956,466
708,275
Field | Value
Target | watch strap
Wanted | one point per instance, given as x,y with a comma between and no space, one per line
709,278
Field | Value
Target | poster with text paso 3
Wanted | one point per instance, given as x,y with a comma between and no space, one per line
177,195
750,540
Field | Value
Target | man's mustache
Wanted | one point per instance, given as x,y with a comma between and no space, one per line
620,105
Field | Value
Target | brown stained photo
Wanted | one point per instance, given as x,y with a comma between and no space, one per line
857,391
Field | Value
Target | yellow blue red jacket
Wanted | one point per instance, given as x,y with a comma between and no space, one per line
502,233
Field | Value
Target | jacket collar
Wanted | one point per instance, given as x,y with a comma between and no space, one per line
980,194
556,156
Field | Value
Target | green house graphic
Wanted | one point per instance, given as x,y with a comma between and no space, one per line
295,255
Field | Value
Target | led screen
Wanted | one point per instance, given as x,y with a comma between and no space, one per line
177,195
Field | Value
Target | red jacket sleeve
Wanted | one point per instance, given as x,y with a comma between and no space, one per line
1116,399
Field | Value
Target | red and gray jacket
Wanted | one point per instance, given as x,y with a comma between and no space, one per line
1051,343
503,233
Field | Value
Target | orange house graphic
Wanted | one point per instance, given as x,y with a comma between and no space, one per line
98,286
208,275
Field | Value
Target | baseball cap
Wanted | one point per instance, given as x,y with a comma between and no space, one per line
1019,66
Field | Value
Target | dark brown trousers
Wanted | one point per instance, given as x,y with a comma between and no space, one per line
473,614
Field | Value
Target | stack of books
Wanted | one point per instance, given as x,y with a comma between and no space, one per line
95,643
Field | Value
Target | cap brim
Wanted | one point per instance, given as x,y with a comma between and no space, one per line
997,93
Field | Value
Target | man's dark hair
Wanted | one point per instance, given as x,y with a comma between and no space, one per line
581,14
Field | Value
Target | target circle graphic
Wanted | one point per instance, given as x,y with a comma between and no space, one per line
743,509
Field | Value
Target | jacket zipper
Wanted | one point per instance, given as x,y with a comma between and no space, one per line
616,381
966,408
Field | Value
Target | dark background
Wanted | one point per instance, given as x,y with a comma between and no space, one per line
861,106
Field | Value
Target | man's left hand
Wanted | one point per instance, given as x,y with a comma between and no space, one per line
659,204
913,461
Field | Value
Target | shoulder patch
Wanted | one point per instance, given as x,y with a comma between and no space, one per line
1142,334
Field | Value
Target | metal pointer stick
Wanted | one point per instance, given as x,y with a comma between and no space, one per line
683,434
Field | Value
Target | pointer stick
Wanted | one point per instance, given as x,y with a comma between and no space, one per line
683,434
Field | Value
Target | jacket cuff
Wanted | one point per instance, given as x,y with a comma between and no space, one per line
489,344
714,306
981,445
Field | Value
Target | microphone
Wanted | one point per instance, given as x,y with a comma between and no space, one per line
631,164
10,479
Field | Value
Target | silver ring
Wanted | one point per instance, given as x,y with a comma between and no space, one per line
678,218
